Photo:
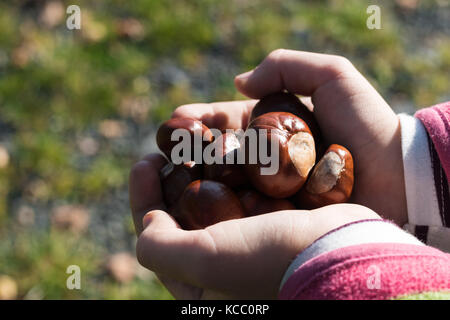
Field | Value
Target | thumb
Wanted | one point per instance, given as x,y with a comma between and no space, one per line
344,101
296,71
160,220
166,249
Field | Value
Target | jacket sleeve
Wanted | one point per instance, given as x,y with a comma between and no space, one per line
369,259
426,162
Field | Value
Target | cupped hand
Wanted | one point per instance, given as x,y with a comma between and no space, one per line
248,257
349,111
242,258
235,259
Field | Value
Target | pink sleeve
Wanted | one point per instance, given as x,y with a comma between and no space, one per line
371,271
436,120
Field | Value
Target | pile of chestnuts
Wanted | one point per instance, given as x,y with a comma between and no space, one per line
198,194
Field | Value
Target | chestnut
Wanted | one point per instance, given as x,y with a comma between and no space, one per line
197,130
288,102
206,202
296,154
175,178
228,171
255,203
331,180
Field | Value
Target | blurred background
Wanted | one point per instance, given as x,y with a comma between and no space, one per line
79,107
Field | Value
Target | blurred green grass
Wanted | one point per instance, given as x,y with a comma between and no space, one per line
76,107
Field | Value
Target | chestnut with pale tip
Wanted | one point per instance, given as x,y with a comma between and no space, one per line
255,203
331,180
197,130
288,102
175,178
229,171
296,154
206,202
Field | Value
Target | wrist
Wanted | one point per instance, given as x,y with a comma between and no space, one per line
399,211
383,184
421,194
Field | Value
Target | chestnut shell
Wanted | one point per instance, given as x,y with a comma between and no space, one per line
231,174
282,126
195,128
309,197
206,202
255,203
175,178
288,102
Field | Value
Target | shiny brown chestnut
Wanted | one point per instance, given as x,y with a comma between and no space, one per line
288,102
331,180
175,178
228,171
296,154
255,203
206,202
197,130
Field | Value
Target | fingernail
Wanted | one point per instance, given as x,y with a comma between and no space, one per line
244,76
146,220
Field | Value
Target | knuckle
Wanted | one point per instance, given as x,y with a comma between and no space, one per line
187,110
276,54
178,112
139,251
142,254
367,213
340,65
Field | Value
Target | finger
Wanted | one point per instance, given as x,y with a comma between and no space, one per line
145,189
308,103
344,101
297,71
231,248
166,249
219,115
331,217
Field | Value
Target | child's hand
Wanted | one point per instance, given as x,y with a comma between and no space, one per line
247,257
243,258
350,112
236,259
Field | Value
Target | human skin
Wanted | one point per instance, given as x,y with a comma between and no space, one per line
252,254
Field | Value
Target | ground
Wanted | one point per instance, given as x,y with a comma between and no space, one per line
79,107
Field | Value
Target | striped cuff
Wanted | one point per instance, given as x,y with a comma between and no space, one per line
437,237
355,233
371,271
421,195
